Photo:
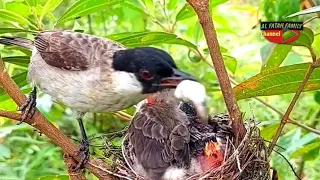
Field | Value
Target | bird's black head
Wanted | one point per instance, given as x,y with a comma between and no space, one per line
154,68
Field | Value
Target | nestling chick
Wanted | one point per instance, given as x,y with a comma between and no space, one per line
93,74
167,141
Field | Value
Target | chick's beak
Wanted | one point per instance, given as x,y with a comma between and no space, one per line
175,79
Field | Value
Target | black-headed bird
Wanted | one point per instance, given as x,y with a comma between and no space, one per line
93,74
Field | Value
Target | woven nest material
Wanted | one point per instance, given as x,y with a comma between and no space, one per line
247,162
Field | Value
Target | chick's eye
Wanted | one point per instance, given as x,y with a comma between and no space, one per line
146,74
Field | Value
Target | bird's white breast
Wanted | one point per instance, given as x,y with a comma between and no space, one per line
85,91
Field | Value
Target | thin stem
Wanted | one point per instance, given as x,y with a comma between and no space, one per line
304,126
308,20
201,7
290,108
10,115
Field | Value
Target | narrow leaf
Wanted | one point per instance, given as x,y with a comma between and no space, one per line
13,17
185,12
172,4
49,7
19,79
18,60
54,177
268,132
214,3
4,151
32,2
317,97
230,62
150,38
85,7
273,55
275,81
305,38
14,30
306,11
305,149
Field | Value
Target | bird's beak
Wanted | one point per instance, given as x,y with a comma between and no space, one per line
175,79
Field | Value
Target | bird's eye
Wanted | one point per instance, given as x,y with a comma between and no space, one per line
145,74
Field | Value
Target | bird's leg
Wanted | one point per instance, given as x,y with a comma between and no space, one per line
28,108
83,150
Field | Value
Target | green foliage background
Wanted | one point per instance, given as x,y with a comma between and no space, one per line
173,26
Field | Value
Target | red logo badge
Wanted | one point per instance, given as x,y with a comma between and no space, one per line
281,32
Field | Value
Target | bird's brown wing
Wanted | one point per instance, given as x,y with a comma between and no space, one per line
72,50
157,145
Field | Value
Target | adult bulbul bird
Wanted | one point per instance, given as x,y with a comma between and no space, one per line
93,74
167,141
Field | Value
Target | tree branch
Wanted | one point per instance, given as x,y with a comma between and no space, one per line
291,106
45,127
10,115
201,7
71,163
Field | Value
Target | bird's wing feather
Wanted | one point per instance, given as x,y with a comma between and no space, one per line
72,50
155,144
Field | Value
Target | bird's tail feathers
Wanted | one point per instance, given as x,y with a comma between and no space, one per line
17,41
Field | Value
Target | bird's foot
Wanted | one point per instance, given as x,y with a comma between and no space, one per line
84,154
28,108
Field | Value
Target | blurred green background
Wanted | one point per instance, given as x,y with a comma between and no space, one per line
173,26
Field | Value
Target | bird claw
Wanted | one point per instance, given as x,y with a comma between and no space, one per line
84,154
28,108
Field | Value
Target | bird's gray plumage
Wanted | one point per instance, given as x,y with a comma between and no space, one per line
159,136
75,69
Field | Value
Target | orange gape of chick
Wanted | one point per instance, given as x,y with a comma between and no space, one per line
212,156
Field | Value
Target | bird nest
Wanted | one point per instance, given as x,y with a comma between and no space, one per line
248,161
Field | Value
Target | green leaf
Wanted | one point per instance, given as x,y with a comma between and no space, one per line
133,7
306,11
4,151
273,55
77,27
13,17
49,7
18,60
19,79
194,57
172,4
85,7
149,5
150,38
282,80
305,38
185,12
214,3
32,2
268,132
15,30
5,130
230,62
302,141
305,149
317,97
54,177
